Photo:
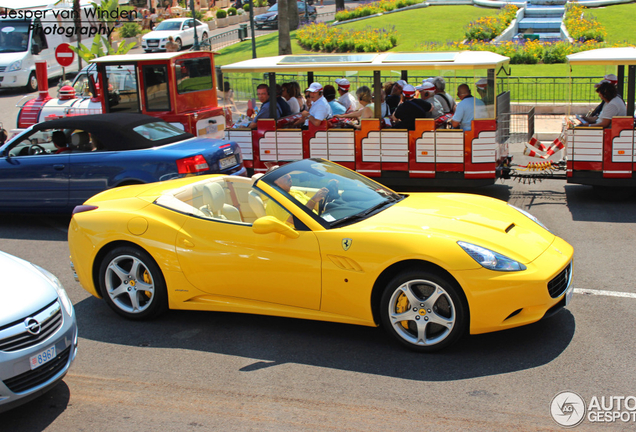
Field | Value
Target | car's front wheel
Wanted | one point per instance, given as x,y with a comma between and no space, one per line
132,283
423,310
179,44
32,83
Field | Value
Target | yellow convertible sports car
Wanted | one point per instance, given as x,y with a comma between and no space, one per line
314,240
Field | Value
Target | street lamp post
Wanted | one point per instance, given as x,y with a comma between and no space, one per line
252,25
196,46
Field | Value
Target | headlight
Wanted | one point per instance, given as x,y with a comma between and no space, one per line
272,18
537,221
66,302
15,66
491,260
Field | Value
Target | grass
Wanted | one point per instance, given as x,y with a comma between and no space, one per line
432,24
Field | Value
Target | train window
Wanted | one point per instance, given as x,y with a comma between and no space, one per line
194,75
156,85
122,89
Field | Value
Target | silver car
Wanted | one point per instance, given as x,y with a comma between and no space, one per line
38,331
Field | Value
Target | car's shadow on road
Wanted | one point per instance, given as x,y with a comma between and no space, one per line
368,350
47,407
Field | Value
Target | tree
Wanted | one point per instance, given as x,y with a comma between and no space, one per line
78,24
340,5
292,13
284,40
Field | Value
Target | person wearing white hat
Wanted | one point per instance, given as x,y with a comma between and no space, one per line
427,93
394,96
410,109
347,99
613,106
320,109
592,116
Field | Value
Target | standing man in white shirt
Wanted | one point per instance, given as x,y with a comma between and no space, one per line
320,109
347,99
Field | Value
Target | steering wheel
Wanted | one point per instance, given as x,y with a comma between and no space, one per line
331,196
36,149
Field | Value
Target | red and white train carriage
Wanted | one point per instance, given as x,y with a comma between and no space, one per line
427,155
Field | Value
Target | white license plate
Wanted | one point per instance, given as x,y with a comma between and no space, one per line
227,162
568,295
44,357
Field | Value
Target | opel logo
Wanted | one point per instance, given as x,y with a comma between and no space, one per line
32,325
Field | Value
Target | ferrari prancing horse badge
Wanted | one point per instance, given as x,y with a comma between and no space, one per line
346,243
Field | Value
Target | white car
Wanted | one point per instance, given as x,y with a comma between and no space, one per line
38,331
181,30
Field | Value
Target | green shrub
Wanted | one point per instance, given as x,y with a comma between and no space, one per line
221,13
246,7
320,37
374,8
581,25
488,28
231,11
129,30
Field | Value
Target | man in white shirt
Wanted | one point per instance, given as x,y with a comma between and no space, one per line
320,109
427,93
347,99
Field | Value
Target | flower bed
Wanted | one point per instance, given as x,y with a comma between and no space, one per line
324,38
488,28
581,25
374,8
524,52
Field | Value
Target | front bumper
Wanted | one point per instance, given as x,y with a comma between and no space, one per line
14,79
157,45
19,384
502,300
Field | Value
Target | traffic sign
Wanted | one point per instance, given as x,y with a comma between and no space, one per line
64,54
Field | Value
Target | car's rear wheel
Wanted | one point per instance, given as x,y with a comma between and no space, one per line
132,283
32,83
423,310
179,44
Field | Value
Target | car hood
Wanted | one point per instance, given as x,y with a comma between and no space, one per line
23,291
161,34
6,58
484,221
265,16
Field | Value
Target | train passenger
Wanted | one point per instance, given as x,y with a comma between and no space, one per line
288,95
262,93
366,107
330,94
394,98
592,116
282,102
613,106
465,112
427,93
347,99
410,109
298,94
447,101
320,109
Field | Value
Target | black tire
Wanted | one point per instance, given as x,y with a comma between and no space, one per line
32,83
179,44
121,273
434,317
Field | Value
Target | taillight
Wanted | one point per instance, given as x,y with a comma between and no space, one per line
83,208
193,164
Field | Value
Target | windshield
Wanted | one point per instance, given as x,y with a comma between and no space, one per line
350,198
166,25
158,130
14,36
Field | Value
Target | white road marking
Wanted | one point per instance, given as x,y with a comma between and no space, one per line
604,293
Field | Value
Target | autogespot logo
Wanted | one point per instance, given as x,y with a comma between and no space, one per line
567,409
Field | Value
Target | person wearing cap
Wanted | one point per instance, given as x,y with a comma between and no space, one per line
395,96
262,93
320,109
329,92
592,116
347,99
427,93
446,100
613,106
410,109
465,112
366,105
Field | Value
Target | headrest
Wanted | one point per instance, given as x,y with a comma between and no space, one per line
79,139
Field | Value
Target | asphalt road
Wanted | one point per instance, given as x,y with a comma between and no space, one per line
196,371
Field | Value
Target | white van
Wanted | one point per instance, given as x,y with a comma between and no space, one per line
30,32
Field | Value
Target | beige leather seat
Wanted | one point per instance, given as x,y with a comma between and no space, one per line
215,207
256,203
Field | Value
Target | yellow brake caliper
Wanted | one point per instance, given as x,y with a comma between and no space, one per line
402,305
147,280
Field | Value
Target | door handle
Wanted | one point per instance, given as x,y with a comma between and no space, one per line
58,167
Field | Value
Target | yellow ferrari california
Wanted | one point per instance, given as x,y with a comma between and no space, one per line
314,240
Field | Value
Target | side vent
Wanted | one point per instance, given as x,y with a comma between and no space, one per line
510,228
345,263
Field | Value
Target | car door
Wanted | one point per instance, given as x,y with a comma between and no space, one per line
32,173
188,34
229,259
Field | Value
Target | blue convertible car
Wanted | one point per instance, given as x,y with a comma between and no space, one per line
58,164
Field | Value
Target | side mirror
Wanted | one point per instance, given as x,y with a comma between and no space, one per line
186,27
269,224
35,48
